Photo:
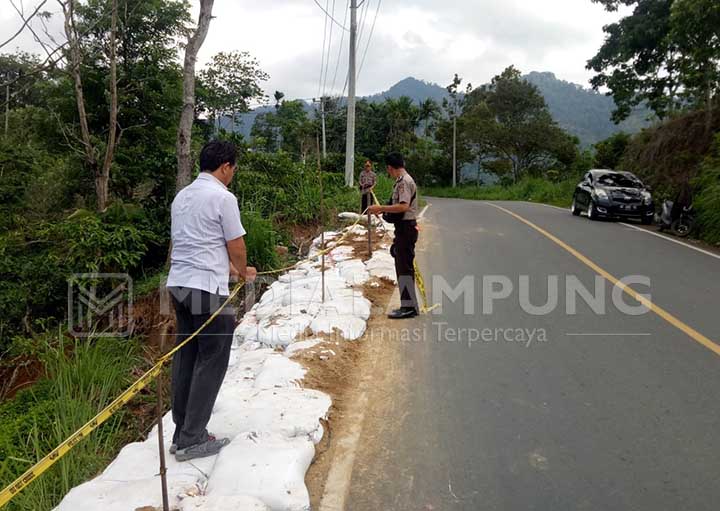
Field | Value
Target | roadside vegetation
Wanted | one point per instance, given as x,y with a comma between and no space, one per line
531,189
88,170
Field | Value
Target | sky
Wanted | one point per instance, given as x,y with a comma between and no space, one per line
427,39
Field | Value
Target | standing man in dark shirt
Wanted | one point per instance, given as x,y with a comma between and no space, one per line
404,204
367,183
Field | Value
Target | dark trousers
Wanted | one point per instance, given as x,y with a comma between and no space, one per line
198,367
365,201
403,250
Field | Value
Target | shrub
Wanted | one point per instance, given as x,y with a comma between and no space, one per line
261,239
707,199
527,189
37,419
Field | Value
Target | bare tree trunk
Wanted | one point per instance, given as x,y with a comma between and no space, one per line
74,67
102,180
195,42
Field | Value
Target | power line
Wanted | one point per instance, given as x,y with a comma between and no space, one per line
363,14
367,44
328,15
327,64
322,60
337,63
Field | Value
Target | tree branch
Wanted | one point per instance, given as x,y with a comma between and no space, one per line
25,23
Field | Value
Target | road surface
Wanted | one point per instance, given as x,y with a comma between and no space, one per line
610,411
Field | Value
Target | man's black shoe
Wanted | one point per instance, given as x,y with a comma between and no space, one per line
403,313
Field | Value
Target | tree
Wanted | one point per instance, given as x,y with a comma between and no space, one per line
509,119
696,31
101,172
184,134
609,152
453,107
229,83
665,54
429,112
638,60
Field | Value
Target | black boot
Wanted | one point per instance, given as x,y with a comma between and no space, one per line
403,313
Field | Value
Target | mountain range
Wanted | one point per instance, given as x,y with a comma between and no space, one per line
580,111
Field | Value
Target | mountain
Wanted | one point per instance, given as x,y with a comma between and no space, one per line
580,111
417,90
583,112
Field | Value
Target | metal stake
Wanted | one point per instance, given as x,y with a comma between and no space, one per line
322,222
161,439
369,227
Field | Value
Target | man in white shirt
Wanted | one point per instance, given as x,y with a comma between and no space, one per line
207,248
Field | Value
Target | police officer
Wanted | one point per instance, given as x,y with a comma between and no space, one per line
402,211
367,183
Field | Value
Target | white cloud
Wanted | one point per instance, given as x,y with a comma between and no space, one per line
428,39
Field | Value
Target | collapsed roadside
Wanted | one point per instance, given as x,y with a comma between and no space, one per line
272,417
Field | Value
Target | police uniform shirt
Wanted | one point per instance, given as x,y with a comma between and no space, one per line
367,180
405,191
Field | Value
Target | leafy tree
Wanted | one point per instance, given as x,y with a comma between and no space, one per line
229,83
429,112
638,60
609,152
696,31
508,119
289,124
665,54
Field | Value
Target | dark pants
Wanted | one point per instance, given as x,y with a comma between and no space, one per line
198,367
366,201
403,250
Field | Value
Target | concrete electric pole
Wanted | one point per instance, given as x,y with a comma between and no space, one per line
350,142
455,150
322,113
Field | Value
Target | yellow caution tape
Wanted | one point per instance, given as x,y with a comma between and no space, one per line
11,491
421,287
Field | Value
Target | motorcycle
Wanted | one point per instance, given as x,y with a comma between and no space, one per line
678,223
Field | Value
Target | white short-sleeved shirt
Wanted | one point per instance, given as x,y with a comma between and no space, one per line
205,216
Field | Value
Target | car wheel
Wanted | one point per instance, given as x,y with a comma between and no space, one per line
574,209
592,213
646,220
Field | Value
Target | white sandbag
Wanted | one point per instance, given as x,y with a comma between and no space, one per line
281,331
299,346
350,327
269,468
124,495
286,412
222,503
278,371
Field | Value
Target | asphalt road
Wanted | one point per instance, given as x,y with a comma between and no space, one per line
610,411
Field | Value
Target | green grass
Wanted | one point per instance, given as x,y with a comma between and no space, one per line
80,380
527,189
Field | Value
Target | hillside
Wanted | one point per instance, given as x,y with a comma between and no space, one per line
582,112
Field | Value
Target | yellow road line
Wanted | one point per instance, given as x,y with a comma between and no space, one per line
680,325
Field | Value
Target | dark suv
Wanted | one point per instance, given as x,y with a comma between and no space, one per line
613,194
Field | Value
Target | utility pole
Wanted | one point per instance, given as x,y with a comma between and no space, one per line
322,113
7,109
350,142
455,150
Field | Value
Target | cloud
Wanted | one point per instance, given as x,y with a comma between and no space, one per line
428,39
